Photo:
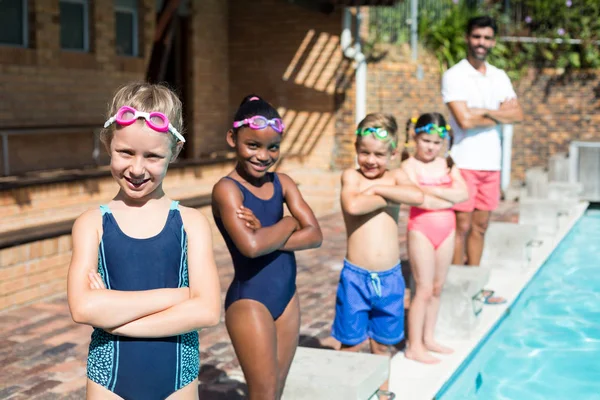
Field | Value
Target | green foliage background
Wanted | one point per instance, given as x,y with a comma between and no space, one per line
551,22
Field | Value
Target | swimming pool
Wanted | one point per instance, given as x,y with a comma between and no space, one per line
548,344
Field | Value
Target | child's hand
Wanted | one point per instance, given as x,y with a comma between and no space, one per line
247,215
96,282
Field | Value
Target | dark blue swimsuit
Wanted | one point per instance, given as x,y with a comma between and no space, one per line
269,279
135,368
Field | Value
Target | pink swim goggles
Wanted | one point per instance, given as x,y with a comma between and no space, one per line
155,120
260,122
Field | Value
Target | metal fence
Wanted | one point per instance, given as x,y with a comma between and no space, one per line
392,24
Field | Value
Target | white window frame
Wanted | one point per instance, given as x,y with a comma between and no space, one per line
86,25
25,27
134,12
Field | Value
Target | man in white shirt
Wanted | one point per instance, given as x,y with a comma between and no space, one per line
480,98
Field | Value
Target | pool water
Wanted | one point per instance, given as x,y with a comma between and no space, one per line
548,346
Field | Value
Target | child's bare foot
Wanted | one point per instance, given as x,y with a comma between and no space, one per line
421,356
438,348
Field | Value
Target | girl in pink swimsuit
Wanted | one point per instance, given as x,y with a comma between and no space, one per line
430,229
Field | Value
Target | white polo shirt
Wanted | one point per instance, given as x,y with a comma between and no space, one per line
479,148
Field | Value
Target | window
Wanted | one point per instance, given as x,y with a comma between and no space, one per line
13,20
74,25
126,27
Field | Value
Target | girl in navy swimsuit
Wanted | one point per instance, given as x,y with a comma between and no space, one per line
262,310
142,271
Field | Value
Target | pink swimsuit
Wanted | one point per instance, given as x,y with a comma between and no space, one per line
436,225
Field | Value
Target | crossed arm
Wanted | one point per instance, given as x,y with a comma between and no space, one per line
309,234
439,198
457,193
356,202
509,112
296,232
147,313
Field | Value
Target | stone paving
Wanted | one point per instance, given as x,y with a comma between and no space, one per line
43,353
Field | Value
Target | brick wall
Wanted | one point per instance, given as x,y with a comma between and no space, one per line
291,57
33,271
557,109
43,85
209,100
294,62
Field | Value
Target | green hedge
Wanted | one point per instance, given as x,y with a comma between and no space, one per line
545,19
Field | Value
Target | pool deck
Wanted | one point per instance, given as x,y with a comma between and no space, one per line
43,353
415,381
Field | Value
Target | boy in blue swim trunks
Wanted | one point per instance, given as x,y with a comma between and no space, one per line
370,294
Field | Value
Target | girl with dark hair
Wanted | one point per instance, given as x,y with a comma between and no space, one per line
262,309
431,228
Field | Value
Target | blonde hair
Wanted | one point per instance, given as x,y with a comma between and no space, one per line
146,97
380,120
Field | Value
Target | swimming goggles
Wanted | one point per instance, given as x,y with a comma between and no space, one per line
158,121
260,122
432,129
379,133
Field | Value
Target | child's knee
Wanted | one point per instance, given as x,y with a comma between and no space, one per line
463,227
424,292
480,225
437,289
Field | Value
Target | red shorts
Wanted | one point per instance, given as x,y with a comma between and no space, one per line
484,190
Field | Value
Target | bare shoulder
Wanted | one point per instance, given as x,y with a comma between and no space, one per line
285,179
91,218
399,174
223,185
455,172
407,164
225,188
288,185
350,176
88,224
193,219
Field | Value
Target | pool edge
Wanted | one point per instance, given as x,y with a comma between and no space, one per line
435,380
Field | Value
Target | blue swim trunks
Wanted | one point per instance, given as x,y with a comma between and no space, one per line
369,304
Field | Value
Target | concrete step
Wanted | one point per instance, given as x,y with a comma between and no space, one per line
318,374
546,214
565,191
509,245
461,303
558,167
